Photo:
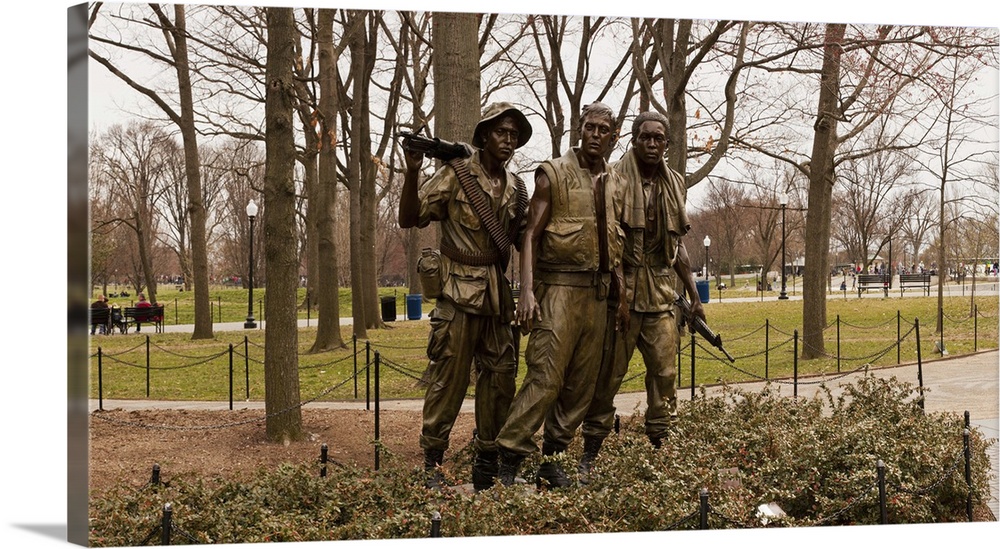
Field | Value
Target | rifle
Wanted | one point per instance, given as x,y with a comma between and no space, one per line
433,147
698,325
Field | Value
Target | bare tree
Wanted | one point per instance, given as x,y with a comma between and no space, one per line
281,376
182,114
328,334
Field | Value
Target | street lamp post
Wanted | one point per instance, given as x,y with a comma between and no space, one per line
249,324
708,242
784,203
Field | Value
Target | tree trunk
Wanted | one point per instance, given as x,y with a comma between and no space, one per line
356,22
281,378
192,169
328,334
821,179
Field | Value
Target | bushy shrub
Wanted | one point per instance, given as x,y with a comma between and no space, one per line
815,458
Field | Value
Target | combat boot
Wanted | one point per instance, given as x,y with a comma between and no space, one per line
485,469
507,467
550,473
433,479
591,447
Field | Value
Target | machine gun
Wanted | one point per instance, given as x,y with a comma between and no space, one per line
698,325
433,147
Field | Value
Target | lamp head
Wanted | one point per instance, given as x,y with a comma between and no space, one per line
252,208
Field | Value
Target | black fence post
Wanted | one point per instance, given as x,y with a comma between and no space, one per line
838,343
767,346
920,364
175,311
968,471
883,515
246,362
899,335
680,383
436,524
100,381
219,298
155,479
354,338
692,365
618,424
166,524
230,377
975,327
323,457
377,435
368,375
703,509
795,363
147,366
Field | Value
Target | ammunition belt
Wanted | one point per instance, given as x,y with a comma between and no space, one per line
480,259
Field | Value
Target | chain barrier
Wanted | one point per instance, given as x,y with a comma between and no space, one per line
746,335
99,414
409,372
958,460
126,351
724,518
865,494
880,325
331,363
683,520
180,367
173,353
968,318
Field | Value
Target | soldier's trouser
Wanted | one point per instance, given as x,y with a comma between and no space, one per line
656,336
563,357
456,338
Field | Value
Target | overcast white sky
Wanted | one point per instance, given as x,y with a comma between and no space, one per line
32,473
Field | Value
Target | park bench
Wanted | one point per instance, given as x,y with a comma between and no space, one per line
916,280
101,317
138,316
872,282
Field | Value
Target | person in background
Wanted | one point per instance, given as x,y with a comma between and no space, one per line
100,303
141,304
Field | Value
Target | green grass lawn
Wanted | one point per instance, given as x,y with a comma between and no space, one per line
759,334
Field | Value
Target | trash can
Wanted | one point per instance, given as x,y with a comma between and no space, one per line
703,290
388,308
414,306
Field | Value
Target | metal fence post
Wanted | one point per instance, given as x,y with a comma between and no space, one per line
147,366
246,362
968,472
883,516
767,346
368,375
838,343
436,525
230,376
155,479
975,327
899,335
323,456
692,365
166,525
795,363
920,364
354,338
378,440
100,381
703,509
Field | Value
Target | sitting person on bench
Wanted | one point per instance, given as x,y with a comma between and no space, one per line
101,303
117,320
142,304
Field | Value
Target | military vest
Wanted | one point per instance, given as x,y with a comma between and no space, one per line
570,241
